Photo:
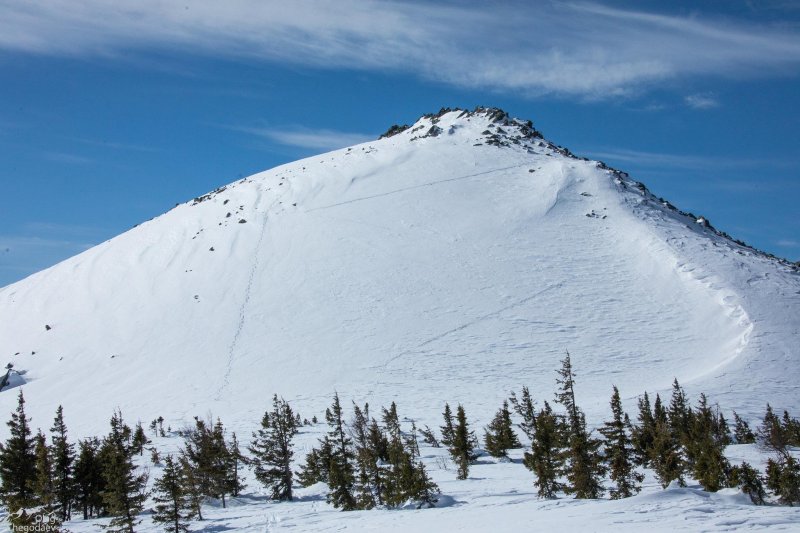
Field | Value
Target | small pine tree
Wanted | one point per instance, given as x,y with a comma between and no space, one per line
783,478
272,450
63,458
462,449
18,461
124,492
235,482
428,437
706,449
524,407
643,434
749,481
139,440
43,486
741,431
500,436
680,414
665,456
173,507
447,429
192,485
341,473
545,458
619,452
88,477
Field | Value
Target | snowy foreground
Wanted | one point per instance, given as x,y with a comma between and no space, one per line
455,261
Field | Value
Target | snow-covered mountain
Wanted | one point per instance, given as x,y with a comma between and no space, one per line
454,260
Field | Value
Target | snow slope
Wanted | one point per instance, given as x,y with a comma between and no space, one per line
456,260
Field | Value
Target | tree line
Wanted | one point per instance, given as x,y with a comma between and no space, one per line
370,461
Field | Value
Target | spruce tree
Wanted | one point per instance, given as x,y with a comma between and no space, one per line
221,464
749,481
462,449
18,461
620,452
706,449
43,486
665,456
236,464
524,407
192,485
139,440
173,507
428,437
583,466
741,431
680,414
783,478
273,450
643,433
124,493
88,476
447,429
63,458
500,436
368,486
545,457
341,474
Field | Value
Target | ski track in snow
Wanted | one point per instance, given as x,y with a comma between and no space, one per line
246,300
420,186
466,325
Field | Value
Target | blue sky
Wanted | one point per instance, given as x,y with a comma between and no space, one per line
113,112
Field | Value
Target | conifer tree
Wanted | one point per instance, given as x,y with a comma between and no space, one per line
139,440
88,476
583,466
18,461
659,411
428,437
236,461
221,464
448,431
43,486
680,414
462,449
619,452
192,486
273,450
665,456
772,435
706,450
748,479
524,407
500,436
741,431
317,465
341,475
369,487
545,458
173,507
783,478
124,493
63,458
642,435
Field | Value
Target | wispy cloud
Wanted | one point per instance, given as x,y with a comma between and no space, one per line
788,243
701,101
70,159
647,159
117,145
21,256
581,49
322,139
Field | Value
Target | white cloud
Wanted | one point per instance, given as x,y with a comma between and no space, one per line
701,101
582,49
788,243
320,139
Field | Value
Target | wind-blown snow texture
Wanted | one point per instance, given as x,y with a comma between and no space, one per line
453,261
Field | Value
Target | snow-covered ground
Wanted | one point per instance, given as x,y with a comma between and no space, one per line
419,269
